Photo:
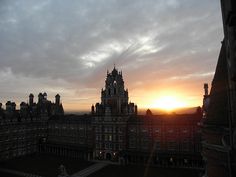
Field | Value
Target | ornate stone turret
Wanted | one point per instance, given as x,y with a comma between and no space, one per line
114,98
45,96
10,110
206,89
31,99
13,105
206,100
8,107
92,109
136,110
57,108
24,111
57,99
40,98
1,112
148,112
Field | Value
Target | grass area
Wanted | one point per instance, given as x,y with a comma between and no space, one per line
142,171
44,165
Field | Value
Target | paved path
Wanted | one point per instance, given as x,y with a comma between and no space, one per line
91,169
18,173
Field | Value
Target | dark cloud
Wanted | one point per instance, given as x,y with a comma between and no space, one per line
73,43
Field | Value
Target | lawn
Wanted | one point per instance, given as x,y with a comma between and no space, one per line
142,171
44,165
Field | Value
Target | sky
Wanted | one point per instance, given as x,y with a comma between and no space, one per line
165,48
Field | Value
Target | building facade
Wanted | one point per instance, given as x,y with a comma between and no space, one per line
69,136
112,131
219,125
23,130
111,118
165,140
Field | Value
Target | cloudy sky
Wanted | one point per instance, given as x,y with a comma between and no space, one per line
163,47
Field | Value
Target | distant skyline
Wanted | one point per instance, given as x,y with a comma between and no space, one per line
165,49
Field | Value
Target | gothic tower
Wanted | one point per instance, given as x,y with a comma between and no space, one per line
114,98
110,118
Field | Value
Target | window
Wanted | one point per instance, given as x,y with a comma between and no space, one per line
81,133
144,130
158,145
106,146
132,144
120,130
110,129
132,130
172,146
185,146
110,137
105,129
145,144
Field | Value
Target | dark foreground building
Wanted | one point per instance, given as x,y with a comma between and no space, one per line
219,128
21,131
112,131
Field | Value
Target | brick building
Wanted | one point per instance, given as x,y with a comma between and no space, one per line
165,139
23,130
112,131
219,125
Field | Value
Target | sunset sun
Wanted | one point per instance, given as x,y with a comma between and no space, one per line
168,103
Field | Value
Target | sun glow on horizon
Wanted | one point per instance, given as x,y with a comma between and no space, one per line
167,103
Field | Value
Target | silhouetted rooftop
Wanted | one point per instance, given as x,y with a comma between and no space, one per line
218,108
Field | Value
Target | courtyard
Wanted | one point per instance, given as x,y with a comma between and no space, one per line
144,171
44,165
47,166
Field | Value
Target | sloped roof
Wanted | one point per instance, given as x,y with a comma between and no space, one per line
217,113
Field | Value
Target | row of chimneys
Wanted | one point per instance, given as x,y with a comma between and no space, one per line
41,97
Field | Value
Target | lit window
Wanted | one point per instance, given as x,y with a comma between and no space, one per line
110,137
144,130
